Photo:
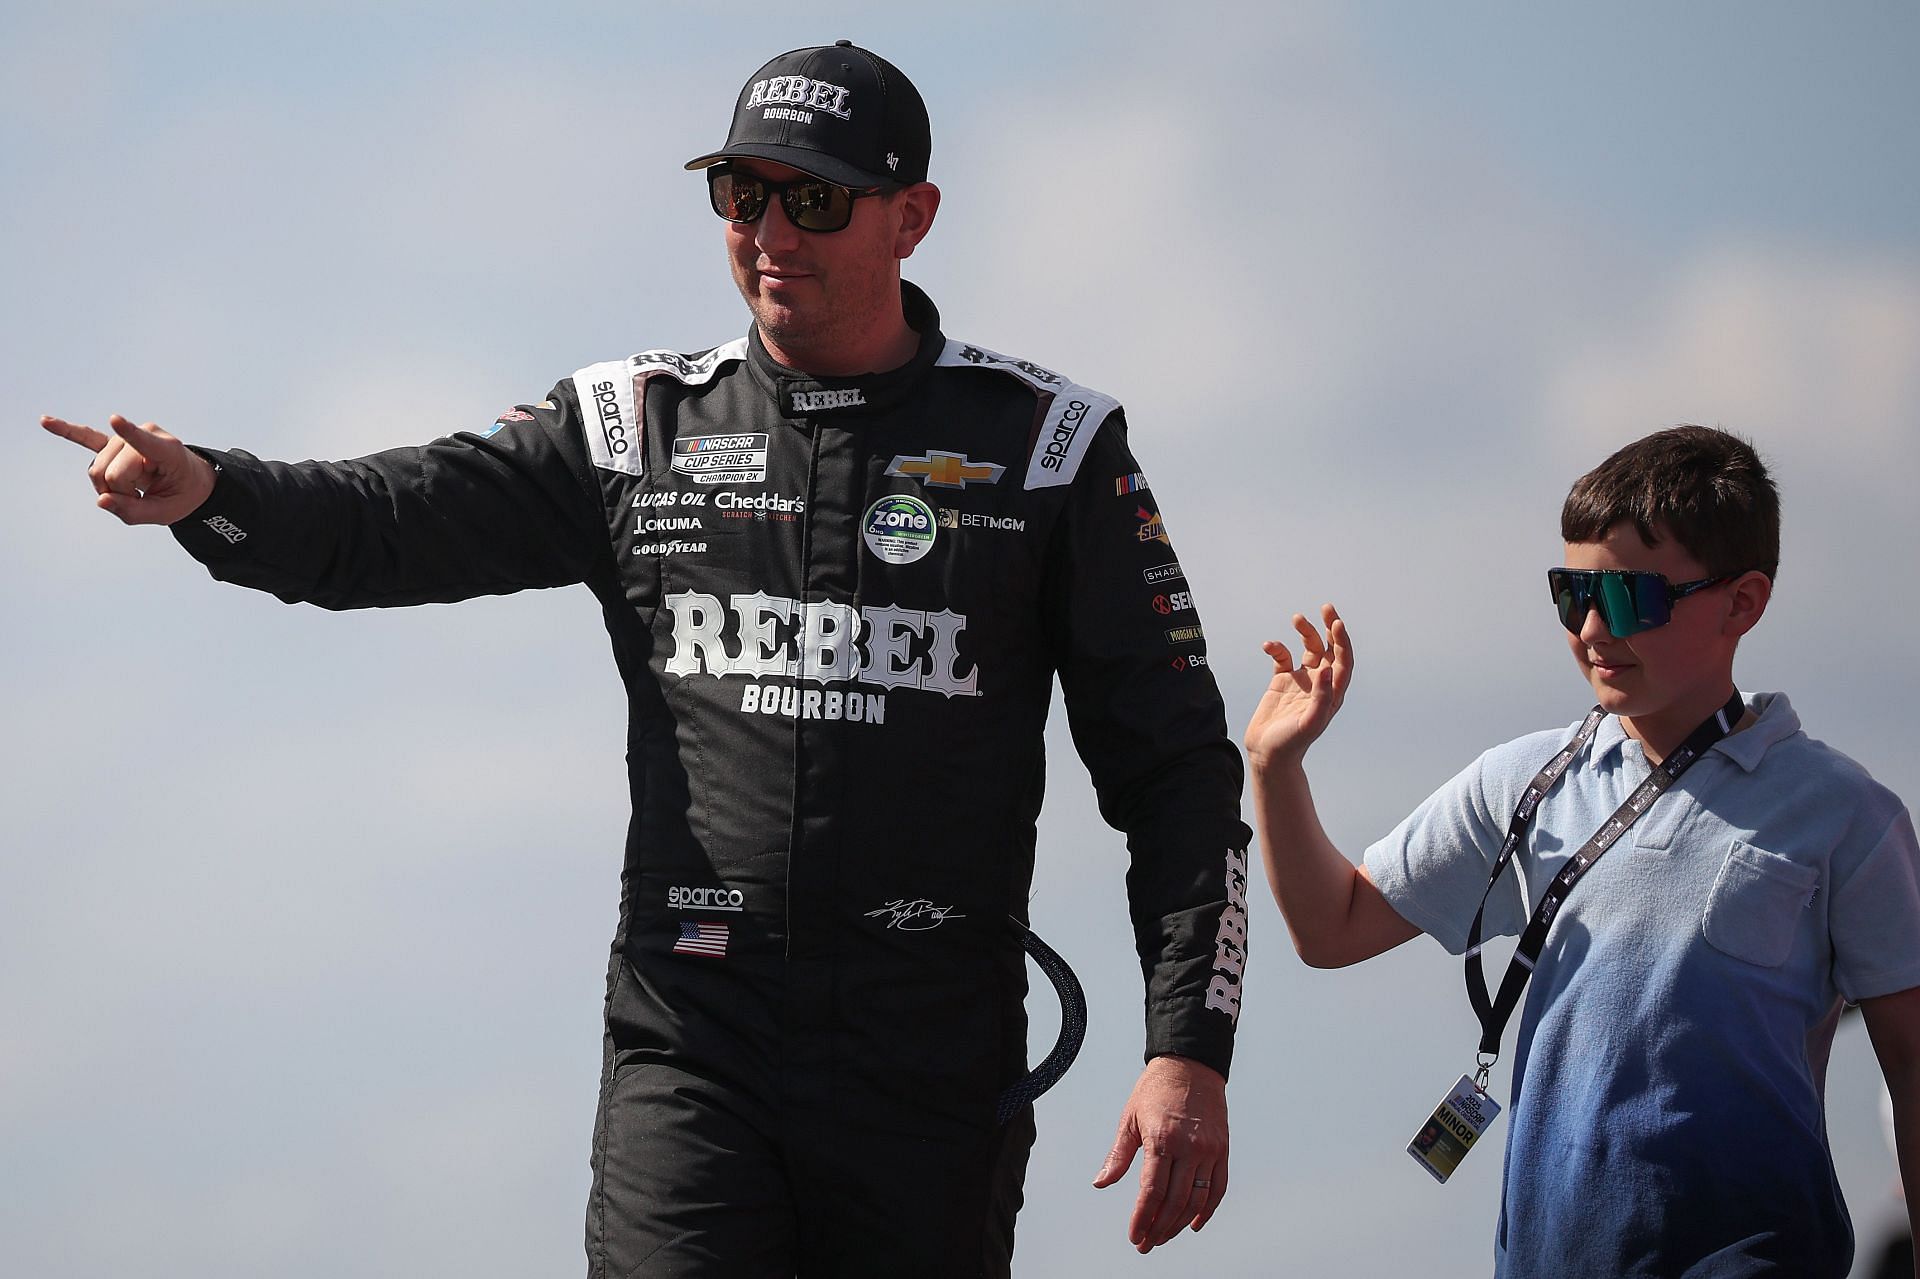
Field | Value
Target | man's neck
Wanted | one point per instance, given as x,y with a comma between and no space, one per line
882,354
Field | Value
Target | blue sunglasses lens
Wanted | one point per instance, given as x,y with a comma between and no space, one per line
1629,602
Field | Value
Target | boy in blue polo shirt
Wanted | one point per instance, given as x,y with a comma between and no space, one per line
1667,1112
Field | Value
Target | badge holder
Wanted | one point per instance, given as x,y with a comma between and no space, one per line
1461,1118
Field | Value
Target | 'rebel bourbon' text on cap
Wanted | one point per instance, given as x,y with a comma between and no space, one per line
790,91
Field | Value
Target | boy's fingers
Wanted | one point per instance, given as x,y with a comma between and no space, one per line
1310,643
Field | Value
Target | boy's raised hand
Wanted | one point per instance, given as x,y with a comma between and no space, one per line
1301,700
142,474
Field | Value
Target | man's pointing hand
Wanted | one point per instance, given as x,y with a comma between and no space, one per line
142,474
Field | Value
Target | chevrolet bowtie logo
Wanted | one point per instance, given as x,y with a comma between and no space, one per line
946,470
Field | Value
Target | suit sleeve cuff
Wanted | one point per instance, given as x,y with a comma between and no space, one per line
219,528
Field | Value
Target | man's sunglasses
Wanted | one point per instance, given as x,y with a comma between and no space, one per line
1629,601
810,203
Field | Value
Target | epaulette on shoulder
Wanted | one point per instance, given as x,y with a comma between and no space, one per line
611,392
1073,412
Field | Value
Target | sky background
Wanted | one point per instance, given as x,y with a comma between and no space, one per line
303,917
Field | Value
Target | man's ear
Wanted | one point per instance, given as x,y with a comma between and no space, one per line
1748,596
916,205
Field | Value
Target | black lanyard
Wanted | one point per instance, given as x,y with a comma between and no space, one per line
1495,1013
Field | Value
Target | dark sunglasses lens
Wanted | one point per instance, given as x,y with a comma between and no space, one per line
1652,600
1629,602
735,196
1570,597
817,206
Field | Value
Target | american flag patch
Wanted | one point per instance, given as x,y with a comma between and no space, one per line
701,939
1126,484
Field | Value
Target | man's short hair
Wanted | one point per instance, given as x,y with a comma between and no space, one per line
1705,487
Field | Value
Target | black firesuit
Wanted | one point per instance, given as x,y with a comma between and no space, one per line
838,606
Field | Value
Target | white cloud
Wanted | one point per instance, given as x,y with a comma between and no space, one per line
1780,340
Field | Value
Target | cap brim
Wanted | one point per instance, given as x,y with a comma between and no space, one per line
814,163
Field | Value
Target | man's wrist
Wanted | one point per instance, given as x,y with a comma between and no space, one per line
1192,1066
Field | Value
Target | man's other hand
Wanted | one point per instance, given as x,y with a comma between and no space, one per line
142,474
1178,1115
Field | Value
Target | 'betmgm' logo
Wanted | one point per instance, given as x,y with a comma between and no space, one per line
950,518
820,642
946,470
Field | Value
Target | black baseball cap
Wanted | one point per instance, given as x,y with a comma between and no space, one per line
836,111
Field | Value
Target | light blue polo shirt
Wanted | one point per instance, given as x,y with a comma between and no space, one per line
1670,1059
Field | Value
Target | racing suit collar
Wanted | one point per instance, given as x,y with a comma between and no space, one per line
800,395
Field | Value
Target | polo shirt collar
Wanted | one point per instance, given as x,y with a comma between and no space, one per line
1776,723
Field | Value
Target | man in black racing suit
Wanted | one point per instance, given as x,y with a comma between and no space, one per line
837,602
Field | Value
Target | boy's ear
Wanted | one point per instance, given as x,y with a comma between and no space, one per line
1747,598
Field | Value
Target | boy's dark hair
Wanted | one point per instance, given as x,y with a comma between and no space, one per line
1705,487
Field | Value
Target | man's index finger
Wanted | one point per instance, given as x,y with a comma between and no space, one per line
85,436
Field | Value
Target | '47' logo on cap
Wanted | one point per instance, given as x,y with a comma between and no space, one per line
946,470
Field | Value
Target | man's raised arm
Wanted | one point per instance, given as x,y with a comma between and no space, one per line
473,513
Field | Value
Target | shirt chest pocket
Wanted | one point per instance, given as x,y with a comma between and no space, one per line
1756,903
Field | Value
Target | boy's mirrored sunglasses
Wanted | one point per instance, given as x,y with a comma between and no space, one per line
810,203
1629,601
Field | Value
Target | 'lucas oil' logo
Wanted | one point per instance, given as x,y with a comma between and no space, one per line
900,528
